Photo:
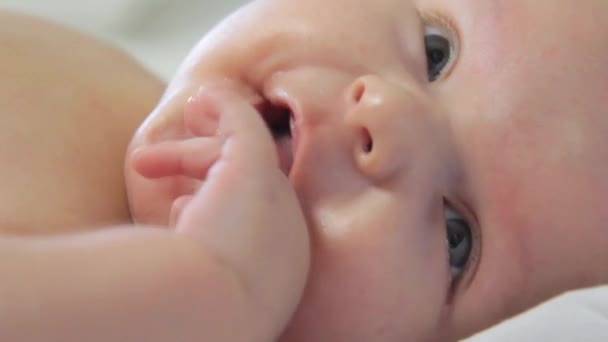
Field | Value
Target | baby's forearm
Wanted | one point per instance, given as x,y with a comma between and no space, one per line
122,284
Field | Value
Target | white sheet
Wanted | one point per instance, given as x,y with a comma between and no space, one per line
160,32
578,316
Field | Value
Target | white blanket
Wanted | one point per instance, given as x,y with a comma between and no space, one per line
577,316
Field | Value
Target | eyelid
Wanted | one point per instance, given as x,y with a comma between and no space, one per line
444,23
451,213
433,30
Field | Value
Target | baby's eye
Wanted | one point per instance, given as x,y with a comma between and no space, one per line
439,51
460,241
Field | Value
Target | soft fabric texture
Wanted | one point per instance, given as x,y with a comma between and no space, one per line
578,316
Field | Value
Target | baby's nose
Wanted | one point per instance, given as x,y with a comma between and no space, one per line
388,120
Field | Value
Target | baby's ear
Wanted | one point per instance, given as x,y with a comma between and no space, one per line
190,157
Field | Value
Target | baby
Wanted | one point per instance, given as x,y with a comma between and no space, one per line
406,124
447,157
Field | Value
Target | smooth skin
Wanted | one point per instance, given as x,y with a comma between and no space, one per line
74,268
68,107
512,134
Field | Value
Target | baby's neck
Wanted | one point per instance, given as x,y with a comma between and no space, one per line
577,259
592,261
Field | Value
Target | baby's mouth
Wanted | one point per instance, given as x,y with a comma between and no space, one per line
280,120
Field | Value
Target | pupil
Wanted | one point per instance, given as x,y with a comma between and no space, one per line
436,56
455,239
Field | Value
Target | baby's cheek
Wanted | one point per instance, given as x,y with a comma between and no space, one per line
385,279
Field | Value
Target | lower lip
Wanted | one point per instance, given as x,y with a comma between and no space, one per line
284,146
293,124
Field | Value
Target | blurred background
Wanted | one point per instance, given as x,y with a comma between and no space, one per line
159,33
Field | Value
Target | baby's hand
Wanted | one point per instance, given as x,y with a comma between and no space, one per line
245,211
189,159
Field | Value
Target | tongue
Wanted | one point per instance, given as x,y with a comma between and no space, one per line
285,153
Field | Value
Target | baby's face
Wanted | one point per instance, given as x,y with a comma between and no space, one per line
445,150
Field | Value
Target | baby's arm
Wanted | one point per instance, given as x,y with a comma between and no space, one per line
232,269
245,212
122,284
